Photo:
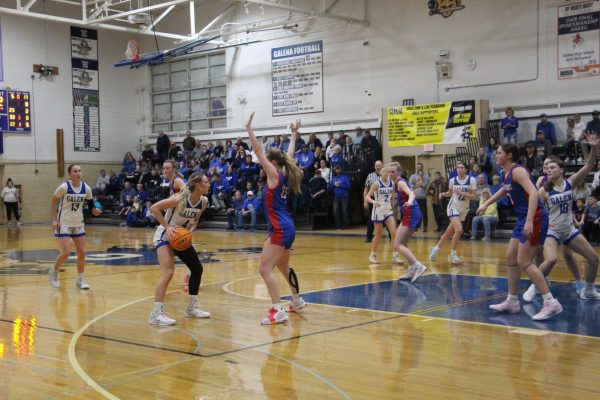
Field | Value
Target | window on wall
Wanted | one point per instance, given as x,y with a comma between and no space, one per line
189,94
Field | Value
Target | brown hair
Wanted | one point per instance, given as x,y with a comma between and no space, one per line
293,173
553,159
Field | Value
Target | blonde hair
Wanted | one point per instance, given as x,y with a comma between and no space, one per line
190,187
293,173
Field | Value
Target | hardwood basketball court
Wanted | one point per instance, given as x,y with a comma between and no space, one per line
363,336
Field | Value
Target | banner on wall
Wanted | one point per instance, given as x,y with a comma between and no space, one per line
439,123
297,79
86,94
579,40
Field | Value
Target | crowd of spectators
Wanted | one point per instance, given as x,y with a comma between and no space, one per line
237,179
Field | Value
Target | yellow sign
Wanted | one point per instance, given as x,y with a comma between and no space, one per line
439,123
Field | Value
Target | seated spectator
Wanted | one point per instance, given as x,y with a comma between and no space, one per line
476,171
141,193
223,166
484,161
314,142
232,212
591,220
229,150
340,185
285,143
299,143
329,149
578,211
220,192
127,191
174,150
318,192
182,168
490,152
337,159
305,161
101,183
249,171
231,177
542,145
128,164
148,154
249,208
489,218
581,191
198,150
532,161
218,150
318,156
179,157
276,143
239,158
242,144
325,171
503,203
596,181
150,218
548,129
124,210
151,184
114,186
134,212
145,166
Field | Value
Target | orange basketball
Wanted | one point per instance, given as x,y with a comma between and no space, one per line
181,239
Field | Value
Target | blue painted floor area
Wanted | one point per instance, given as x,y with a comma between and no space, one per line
465,298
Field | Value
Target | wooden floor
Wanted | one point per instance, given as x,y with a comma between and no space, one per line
71,344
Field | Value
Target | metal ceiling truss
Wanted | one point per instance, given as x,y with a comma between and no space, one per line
138,16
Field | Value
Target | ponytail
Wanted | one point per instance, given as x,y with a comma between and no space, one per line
195,178
294,174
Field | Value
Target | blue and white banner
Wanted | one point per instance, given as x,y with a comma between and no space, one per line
297,79
86,90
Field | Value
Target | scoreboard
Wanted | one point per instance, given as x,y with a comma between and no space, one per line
15,111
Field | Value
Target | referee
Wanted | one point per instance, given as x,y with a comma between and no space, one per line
369,207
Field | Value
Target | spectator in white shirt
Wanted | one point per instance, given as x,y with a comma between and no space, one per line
101,183
10,197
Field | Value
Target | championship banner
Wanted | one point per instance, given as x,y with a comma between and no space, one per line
297,79
578,40
86,94
440,123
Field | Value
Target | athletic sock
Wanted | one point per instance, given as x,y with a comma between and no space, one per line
158,308
278,306
295,296
452,252
80,275
589,287
548,296
513,297
192,301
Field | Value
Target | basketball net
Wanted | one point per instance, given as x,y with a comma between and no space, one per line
133,51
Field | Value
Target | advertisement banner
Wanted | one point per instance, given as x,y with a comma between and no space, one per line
578,40
439,123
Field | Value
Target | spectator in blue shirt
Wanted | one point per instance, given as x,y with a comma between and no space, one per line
231,177
232,212
548,128
141,193
341,195
127,191
285,143
306,160
250,207
509,124
337,158
220,193
222,167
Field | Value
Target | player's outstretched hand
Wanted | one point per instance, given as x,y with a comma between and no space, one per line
249,123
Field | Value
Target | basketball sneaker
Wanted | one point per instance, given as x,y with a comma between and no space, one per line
160,319
274,317
454,259
530,293
373,258
396,259
296,305
507,306
433,253
82,284
195,312
550,309
408,275
585,295
418,271
53,277
19,224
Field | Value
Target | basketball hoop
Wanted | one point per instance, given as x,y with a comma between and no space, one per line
133,51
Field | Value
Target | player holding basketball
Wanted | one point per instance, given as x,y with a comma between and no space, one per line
558,195
461,190
282,175
411,218
528,233
182,209
381,195
68,224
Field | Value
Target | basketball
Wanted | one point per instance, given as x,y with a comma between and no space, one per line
181,239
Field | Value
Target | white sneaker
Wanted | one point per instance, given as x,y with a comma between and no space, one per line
296,305
433,253
195,312
9,223
19,224
530,293
373,258
160,319
580,159
397,259
567,160
274,317
454,259
485,239
418,271
408,275
585,295
53,277
82,284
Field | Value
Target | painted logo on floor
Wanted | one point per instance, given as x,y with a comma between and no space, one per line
37,262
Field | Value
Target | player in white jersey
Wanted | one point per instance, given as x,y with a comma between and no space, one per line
558,196
461,190
382,195
66,213
182,209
